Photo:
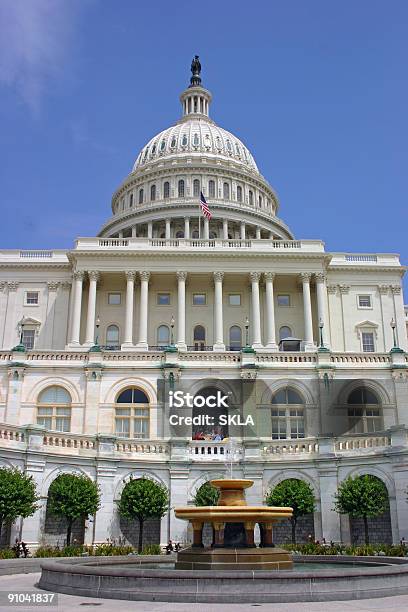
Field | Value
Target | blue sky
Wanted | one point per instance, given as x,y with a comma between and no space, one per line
316,89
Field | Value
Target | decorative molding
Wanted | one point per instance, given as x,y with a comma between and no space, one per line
383,289
331,289
320,277
218,276
249,374
305,276
94,275
78,275
395,289
66,285
52,285
400,375
93,374
181,275
344,289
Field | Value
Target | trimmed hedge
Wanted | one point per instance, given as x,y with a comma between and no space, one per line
369,550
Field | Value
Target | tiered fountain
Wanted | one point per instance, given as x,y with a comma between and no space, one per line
233,523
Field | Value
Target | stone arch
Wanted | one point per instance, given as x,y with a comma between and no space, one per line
53,381
282,383
54,528
306,524
199,481
372,385
124,383
128,529
380,528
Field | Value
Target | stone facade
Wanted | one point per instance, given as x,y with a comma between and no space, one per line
166,299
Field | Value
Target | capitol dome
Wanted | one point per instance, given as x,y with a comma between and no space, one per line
160,198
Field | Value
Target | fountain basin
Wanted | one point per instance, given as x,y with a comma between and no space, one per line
124,578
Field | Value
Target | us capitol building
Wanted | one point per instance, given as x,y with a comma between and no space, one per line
310,344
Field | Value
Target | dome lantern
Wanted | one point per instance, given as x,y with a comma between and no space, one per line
195,100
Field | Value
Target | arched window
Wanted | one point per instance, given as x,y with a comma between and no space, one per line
181,188
196,188
162,145
211,189
180,234
239,193
131,200
285,332
199,338
132,414
153,193
184,140
166,190
235,338
163,335
153,150
226,191
112,336
173,142
363,411
141,196
260,201
213,235
229,146
287,415
54,409
196,140
251,198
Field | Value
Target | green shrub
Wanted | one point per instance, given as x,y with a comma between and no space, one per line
111,550
310,548
7,553
152,549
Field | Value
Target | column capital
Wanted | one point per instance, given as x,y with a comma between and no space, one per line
12,285
181,275
395,289
269,276
130,275
144,275
254,277
218,276
331,289
383,289
305,276
52,285
320,277
344,289
79,275
93,275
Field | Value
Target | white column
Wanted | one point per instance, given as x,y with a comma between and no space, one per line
242,230
206,228
143,309
130,288
218,320
256,311
90,318
134,231
225,228
321,295
270,312
271,235
307,311
181,311
76,314
258,232
150,229
186,227
168,228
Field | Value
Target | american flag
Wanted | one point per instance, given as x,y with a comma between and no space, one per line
204,207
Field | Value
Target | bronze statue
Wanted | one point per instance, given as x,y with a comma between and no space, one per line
195,80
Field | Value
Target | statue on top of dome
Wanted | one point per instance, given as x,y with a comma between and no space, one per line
195,80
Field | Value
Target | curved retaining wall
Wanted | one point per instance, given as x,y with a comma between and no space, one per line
103,579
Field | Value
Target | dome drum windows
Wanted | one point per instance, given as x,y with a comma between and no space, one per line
181,188
184,140
196,188
153,193
251,197
54,409
226,191
166,190
196,140
141,196
211,189
162,146
239,193
132,414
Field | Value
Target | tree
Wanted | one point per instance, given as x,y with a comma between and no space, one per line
143,499
17,495
73,496
206,495
362,497
295,494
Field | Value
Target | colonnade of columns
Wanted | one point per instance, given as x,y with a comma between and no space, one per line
218,276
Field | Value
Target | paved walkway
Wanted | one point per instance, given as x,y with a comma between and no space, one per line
70,603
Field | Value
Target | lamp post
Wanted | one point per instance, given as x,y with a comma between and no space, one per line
322,348
172,330
96,348
246,332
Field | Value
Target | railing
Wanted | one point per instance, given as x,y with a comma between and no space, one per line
12,434
369,258
72,441
356,442
200,349
144,448
286,357
36,254
360,358
208,450
291,447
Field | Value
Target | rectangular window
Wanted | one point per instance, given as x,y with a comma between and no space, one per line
163,299
31,298
55,418
199,299
28,338
278,424
235,299
114,299
283,300
132,422
367,339
364,301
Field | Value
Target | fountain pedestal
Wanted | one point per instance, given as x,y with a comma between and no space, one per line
233,523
